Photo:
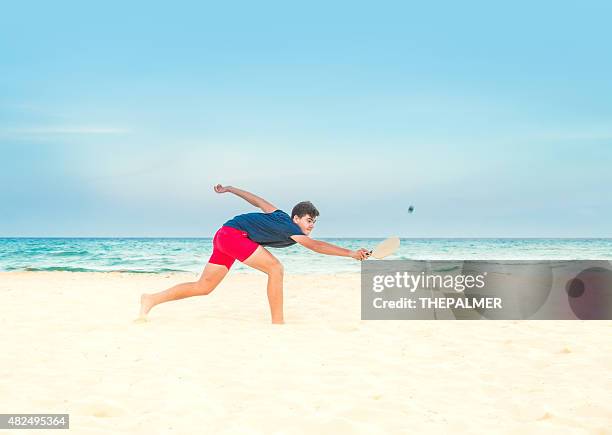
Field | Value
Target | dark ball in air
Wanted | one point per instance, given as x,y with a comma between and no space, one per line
411,209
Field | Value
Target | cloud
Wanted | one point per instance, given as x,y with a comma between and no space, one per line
65,130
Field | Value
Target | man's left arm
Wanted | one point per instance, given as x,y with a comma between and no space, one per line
251,198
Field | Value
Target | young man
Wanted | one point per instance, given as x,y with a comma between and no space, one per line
244,237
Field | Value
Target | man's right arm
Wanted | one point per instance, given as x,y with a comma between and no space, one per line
329,249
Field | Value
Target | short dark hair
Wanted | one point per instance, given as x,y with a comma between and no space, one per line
303,208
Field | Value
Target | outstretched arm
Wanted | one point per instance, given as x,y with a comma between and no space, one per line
251,198
330,249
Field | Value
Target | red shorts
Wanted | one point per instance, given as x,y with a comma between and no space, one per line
230,244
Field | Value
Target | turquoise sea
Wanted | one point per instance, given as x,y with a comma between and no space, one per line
161,255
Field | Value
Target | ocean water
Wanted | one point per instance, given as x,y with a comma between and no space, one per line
164,255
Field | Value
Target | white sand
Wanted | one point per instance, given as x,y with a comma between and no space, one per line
214,364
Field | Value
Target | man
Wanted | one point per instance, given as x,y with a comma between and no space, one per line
244,237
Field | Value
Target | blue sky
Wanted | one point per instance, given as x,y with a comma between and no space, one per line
492,120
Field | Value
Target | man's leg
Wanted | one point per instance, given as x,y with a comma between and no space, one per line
212,275
263,260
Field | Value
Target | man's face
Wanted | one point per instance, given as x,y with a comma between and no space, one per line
306,223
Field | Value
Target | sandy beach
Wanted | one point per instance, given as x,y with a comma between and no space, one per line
214,364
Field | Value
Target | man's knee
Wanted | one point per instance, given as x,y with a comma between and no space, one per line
276,268
204,286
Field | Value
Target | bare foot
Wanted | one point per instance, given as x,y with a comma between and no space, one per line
146,303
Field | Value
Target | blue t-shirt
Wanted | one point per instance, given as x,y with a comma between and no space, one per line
268,229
